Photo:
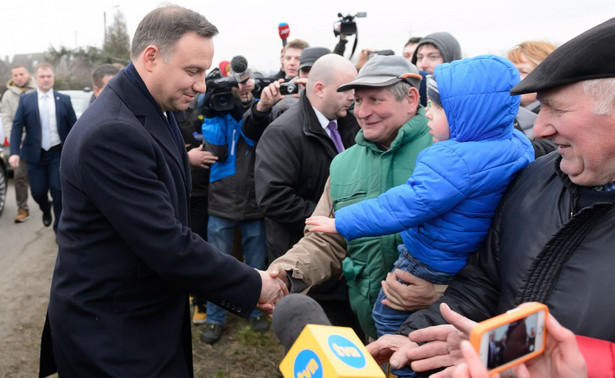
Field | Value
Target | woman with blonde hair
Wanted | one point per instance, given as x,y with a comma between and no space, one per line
526,56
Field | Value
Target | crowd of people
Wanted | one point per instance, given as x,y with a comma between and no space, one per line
411,196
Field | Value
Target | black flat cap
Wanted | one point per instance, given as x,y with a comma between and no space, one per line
590,55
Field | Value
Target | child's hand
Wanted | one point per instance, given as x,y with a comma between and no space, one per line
322,224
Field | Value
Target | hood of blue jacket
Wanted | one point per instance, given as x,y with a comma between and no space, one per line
474,93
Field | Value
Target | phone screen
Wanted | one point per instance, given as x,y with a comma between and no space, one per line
514,340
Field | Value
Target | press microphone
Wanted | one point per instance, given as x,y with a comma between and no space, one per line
314,347
292,313
283,32
239,67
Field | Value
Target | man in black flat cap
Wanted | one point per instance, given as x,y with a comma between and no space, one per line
552,238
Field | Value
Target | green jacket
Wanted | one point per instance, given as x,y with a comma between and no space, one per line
366,171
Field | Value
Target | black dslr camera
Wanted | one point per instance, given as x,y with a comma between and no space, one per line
346,24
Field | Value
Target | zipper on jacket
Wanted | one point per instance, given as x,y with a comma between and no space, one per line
573,203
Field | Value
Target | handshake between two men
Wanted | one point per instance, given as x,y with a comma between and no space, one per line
273,289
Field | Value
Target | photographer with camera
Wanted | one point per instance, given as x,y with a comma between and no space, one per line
270,106
289,59
231,190
344,27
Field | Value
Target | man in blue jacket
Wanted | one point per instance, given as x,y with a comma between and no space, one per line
232,203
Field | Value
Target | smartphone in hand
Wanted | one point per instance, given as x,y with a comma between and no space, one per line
511,338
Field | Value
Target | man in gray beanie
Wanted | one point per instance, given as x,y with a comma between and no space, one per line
434,49
551,240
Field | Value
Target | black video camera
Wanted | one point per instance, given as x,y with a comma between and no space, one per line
219,91
346,25
219,95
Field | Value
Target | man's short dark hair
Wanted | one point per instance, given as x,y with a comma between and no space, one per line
101,71
164,26
413,40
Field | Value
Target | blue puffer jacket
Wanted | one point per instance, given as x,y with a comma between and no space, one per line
447,205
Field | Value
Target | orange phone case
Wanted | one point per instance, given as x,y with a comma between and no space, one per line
497,321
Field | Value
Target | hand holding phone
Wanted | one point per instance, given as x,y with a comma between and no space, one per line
511,338
440,348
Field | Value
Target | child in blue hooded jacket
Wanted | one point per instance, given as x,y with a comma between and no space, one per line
445,209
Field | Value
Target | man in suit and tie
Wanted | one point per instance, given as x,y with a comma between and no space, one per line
47,116
127,257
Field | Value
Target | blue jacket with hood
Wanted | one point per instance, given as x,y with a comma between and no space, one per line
445,209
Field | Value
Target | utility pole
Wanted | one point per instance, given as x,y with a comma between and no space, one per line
105,20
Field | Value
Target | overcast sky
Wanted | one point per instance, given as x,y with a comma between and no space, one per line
249,27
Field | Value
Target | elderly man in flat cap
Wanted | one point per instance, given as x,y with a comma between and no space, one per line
552,238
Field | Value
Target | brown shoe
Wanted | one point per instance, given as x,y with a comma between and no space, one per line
22,216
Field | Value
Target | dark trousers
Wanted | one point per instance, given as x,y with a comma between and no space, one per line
198,224
199,216
44,177
20,176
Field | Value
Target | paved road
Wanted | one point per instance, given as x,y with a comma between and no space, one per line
15,237
27,255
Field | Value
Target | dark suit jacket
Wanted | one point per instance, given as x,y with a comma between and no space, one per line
127,258
28,117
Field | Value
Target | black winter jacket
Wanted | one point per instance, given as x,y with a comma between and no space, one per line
551,241
292,166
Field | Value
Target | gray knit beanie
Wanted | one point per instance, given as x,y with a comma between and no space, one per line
445,43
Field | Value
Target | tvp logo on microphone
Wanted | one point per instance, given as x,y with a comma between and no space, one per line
327,351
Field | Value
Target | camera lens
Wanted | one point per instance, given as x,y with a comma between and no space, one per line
222,100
